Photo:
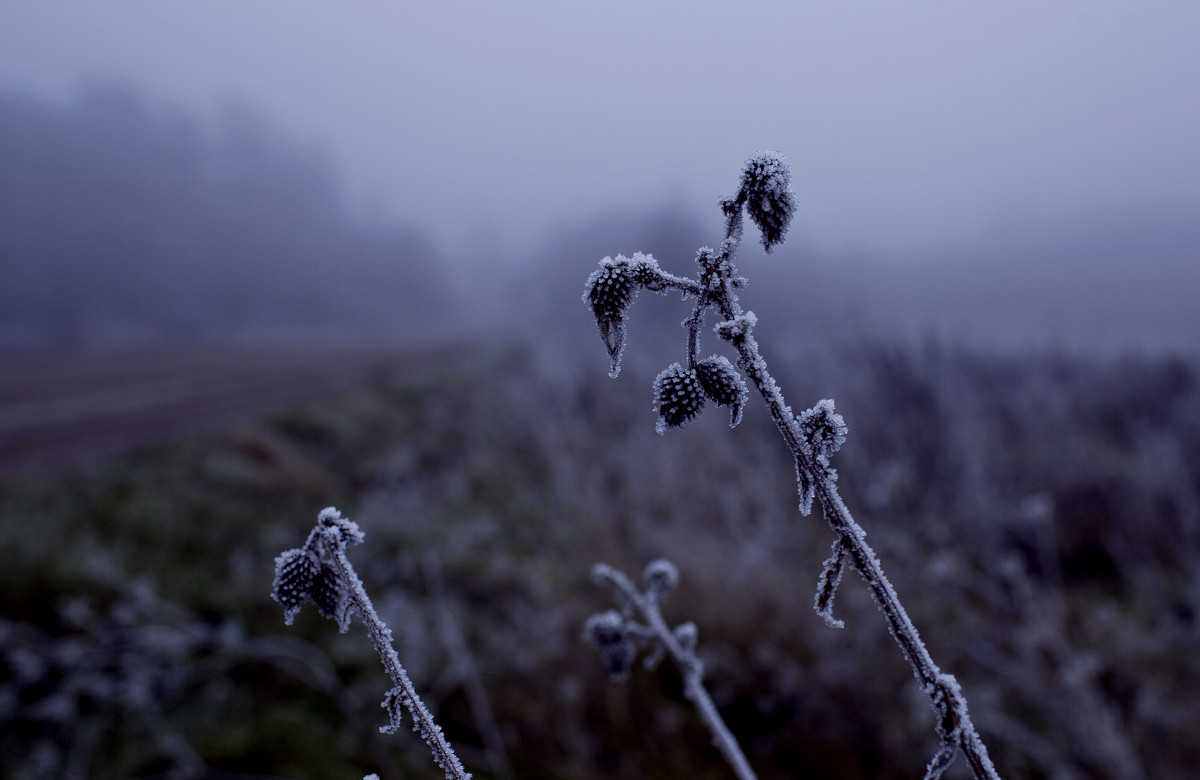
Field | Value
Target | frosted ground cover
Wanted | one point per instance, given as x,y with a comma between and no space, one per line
1050,501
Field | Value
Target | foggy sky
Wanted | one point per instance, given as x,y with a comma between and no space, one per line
906,123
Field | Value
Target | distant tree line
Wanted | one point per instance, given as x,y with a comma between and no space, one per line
128,221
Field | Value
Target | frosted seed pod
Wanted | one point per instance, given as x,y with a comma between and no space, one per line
329,595
608,292
294,574
678,397
611,288
770,202
606,631
723,384
661,577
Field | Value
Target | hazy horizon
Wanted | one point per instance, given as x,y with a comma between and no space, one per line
493,124
1025,173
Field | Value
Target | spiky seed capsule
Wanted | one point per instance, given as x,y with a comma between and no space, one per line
678,397
661,577
608,292
329,594
611,288
723,384
294,573
770,202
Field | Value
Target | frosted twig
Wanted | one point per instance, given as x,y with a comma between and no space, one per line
321,573
616,635
812,437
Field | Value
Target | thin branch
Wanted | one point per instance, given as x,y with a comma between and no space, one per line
609,632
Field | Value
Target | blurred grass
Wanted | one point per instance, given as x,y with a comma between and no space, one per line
1038,514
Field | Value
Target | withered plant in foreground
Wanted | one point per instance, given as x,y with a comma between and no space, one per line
812,436
617,635
320,572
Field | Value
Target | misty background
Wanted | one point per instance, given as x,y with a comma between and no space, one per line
178,175
259,258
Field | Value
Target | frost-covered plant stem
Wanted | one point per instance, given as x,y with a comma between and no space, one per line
320,572
612,633
954,723
812,437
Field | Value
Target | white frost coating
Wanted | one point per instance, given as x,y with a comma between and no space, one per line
741,325
827,585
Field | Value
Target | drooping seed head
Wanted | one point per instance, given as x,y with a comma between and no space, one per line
608,292
678,397
767,191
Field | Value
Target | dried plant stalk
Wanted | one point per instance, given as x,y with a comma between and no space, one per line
321,573
812,436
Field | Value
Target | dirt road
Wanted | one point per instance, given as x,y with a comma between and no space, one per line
56,410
